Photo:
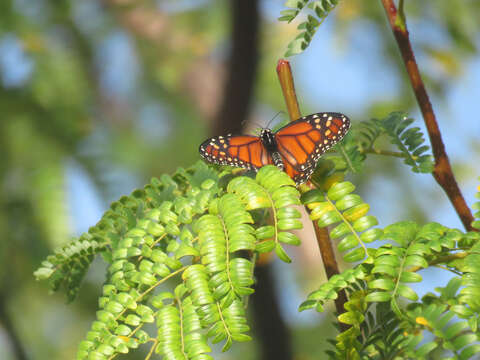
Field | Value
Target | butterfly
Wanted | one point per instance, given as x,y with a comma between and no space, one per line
294,148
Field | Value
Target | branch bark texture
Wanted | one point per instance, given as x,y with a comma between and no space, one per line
442,172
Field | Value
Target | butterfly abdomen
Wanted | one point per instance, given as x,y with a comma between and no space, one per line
270,144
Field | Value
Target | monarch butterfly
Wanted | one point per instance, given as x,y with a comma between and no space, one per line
295,148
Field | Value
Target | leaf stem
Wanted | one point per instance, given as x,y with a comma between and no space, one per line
140,297
160,238
227,254
227,330
346,222
397,282
448,269
442,172
182,335
442,260
131,334
383,152
347,158
162,280
150,353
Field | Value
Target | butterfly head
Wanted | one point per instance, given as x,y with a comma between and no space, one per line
268,139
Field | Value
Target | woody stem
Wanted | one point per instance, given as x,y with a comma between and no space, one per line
442,172
285,77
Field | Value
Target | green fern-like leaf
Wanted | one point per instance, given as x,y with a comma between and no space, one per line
396,266
139,266
346,345
179,329
351,158
194,232
393,265
368,132
374,330
449,296
379,335
68,266
470,294
321,8
476,208
220,237
142,259
158,235
355,309
273,190
296,6
384,336
347,211
330,289
223,322
409,141
451,334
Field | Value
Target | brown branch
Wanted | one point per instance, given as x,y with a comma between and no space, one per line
330,265
285,77
442,172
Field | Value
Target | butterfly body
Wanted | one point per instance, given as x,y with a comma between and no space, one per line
270,144
295,148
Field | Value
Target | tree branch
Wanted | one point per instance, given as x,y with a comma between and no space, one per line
442,172
284,73
285,77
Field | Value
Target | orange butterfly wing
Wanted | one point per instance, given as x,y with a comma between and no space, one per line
300,145
303,141
243,151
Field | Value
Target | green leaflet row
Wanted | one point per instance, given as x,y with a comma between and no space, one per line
187,232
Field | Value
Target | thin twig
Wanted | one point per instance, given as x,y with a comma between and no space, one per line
152,349
285,77
459,273
442,172
442,260
383,152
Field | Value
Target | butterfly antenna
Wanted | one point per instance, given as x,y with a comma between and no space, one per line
258,127
253,123
278,113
